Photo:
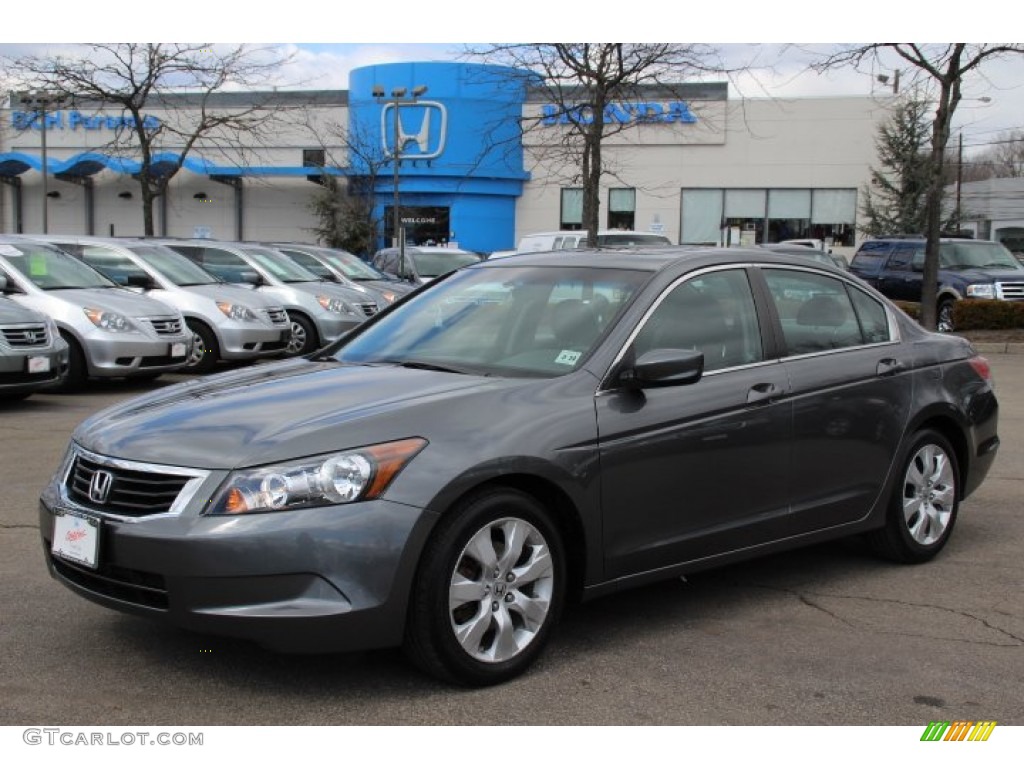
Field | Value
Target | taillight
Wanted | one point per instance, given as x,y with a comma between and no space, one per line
981,367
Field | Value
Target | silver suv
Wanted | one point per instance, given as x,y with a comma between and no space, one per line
228,322
111,331
319,312
32,353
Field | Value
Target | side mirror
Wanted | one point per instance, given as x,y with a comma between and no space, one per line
250,277
145,282
664,368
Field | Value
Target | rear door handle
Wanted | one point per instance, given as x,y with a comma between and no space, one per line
888,367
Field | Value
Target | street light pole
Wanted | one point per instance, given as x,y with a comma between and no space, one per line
398,98
39,101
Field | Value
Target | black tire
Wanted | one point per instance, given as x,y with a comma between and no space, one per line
78,370
205,351
304,338
944,316
508,609
924,503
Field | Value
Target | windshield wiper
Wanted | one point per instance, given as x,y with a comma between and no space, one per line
421,365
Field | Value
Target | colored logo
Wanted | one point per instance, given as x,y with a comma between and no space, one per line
416,131
958,730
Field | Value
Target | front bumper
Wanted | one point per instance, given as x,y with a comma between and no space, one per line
17,374
245,341
114,355
314,580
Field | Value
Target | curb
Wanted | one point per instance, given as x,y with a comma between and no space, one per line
1000,347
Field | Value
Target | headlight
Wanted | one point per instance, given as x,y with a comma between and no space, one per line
236,311
338,478
108,321
390,297
335,305
981,291
52,329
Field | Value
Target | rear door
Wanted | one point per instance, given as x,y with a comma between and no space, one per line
851,393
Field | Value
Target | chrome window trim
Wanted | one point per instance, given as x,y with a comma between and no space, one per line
196,478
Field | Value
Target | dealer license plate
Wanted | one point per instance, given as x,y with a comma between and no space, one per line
38,364
76,538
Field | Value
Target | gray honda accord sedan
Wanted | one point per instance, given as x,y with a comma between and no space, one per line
520,434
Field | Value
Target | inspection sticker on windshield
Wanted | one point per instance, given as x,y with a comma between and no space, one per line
76,538
9,250
568,357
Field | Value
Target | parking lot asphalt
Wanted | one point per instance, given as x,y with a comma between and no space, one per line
826,635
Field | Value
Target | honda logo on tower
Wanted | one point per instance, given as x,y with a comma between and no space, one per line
422,130
99,486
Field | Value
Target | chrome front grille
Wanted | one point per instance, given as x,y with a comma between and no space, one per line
128,489
1010,291
25,336
369,308
276,315
165,326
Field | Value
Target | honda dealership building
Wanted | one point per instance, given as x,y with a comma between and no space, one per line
482,163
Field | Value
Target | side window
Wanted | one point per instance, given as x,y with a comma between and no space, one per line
815,311
902,256
114,265
874,322
712,313
225,265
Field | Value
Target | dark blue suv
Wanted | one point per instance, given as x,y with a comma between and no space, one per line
968,269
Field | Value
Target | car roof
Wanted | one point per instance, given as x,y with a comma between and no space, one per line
650,258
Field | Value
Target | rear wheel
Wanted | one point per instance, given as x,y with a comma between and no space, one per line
924,504
944,316
205,350
489,590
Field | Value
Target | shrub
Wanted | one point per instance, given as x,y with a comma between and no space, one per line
976,315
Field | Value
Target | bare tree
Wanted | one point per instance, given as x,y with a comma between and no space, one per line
584,81
942,67
178,79
1004,159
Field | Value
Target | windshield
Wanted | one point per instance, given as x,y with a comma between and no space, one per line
436,264
173,266
351,266
51,269
505,321
976,254
280,266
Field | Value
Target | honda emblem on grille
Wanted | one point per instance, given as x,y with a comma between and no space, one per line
99,486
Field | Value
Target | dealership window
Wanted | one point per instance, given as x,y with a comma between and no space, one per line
744,216
621,208
702,217
754,216
789,214
833,213
314,158
572,209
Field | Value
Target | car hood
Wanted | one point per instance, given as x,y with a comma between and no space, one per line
270,413
979,275
11,312
232,292
113,300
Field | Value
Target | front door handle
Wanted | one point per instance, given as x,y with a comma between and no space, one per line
764,393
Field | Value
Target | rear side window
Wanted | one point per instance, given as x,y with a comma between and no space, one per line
906,255
870,257
816,312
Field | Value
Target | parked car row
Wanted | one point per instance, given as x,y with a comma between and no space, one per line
124,307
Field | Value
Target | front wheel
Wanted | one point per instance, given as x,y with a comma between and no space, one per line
924,504
488,591
205,350
304,337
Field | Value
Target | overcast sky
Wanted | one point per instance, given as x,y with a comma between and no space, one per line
427,30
